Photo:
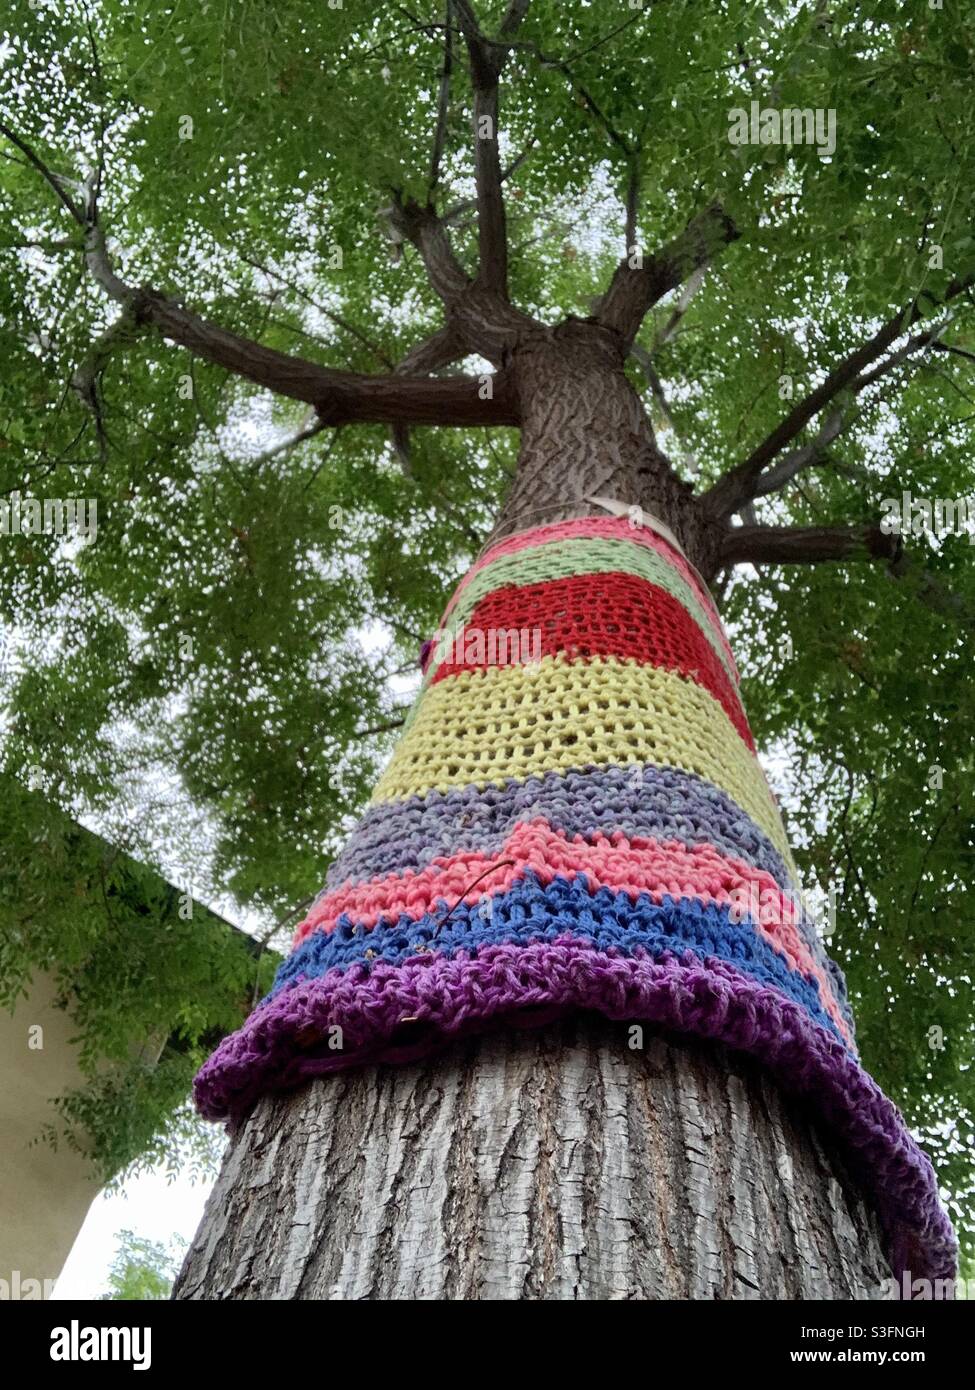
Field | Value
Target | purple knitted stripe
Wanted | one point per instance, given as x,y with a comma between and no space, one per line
441,998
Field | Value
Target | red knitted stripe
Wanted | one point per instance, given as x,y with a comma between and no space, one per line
588,615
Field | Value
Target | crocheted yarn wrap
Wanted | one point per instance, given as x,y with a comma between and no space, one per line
575,818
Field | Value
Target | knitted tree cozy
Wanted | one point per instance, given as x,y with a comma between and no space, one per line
575,817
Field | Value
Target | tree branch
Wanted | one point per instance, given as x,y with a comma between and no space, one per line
694,283
339,397
58,182
632,203
799,545
956,351
85,379
380,729
487,61
308,430
635,289
330,314
482,318
836,423
930,590
477,308
422,227
793,463
457,210
581,93
805,545
738,485
439,350
629,149
645,361
443,107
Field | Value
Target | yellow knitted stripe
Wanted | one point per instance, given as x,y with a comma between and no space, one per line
482,727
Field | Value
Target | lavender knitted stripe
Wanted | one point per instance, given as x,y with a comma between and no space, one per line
438,998
659,803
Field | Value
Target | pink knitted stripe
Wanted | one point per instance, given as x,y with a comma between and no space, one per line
630,865
609,528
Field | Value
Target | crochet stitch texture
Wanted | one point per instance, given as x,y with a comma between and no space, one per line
585,826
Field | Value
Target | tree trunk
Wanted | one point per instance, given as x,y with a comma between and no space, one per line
552,1163
559,1161
585,433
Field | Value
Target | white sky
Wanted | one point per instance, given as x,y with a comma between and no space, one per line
152,1206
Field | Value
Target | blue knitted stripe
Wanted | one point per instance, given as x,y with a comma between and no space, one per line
529,912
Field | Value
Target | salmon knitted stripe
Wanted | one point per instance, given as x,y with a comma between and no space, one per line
575,818
655,802
636,867
527,909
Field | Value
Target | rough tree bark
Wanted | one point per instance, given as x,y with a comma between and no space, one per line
553,1163
558,1163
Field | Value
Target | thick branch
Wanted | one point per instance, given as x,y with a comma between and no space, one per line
487,64
477,308
339,398
481,317
635,289
422,227
632,202
492,231
806,545
799,545
738,486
